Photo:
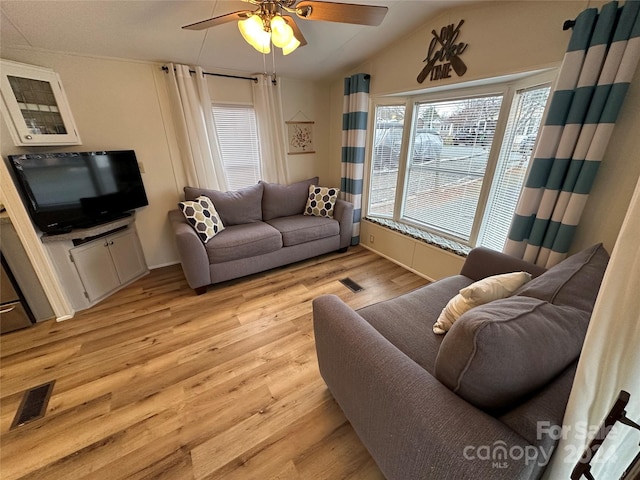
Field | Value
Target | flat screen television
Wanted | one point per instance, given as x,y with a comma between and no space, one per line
71,190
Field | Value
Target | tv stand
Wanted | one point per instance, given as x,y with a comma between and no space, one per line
89,230
95,262
104,220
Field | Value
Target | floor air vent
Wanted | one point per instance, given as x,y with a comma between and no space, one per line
33,404
351,285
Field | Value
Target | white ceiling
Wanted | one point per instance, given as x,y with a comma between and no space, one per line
151,30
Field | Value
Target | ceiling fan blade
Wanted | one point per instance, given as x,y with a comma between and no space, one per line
296,31
341,12
212,22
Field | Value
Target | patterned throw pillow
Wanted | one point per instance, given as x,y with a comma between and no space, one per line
321,201
203,217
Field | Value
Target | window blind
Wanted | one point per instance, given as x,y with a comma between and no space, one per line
387,143
448,155
237,134
517,147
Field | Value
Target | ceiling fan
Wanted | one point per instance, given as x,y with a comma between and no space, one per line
268,24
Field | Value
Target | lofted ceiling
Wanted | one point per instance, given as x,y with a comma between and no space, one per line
151,30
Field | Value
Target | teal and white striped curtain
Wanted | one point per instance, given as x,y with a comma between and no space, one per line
354,137
596,72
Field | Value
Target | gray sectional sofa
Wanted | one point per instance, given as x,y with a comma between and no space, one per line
480,402
264,228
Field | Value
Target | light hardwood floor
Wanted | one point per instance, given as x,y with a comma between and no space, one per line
155,382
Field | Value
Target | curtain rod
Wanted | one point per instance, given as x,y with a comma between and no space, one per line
166,69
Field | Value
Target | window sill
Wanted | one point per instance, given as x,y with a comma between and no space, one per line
426,237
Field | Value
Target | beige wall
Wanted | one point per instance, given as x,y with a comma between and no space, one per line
504,38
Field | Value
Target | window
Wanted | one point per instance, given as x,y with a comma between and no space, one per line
237,133
444,181
455,166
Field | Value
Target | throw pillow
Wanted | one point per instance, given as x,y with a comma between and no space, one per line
203,217
450,313
478,293
574,282
497,354
235,207
285,200
321,201
494,287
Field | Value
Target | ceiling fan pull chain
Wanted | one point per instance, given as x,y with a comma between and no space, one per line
264,64
273,66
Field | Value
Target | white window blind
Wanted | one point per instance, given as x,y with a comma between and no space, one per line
237,133
520,135
387,142
450,147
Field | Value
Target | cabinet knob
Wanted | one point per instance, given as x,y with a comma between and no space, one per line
28,137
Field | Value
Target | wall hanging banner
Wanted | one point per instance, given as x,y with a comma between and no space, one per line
443,54
300,138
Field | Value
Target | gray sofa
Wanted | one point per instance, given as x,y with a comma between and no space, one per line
481,401
264,228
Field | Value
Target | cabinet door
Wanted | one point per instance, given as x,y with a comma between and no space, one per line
95,268
127,255
35,106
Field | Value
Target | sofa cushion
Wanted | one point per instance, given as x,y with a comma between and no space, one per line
321,201
574,282
243,241
285,200
498,353
235,207
203,217
483,291
406,320
298,229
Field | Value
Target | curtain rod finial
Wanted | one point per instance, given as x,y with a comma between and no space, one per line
568,24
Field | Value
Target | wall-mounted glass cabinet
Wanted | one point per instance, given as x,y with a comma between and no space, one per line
35,106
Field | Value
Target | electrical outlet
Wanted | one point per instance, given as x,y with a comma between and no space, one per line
141,167
371,238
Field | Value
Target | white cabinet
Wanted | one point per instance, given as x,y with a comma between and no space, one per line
35,106
109,262
94,263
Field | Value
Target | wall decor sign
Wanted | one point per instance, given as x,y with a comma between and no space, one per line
443,55
300,138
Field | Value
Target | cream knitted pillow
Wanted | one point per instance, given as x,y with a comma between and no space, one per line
478,293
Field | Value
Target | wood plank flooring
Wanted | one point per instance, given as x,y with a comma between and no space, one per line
156,382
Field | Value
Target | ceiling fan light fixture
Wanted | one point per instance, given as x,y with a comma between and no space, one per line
252,30
268,24
291,46
281,32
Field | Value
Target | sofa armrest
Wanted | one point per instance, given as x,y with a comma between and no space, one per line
343,213
193,255
483,262
413,426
